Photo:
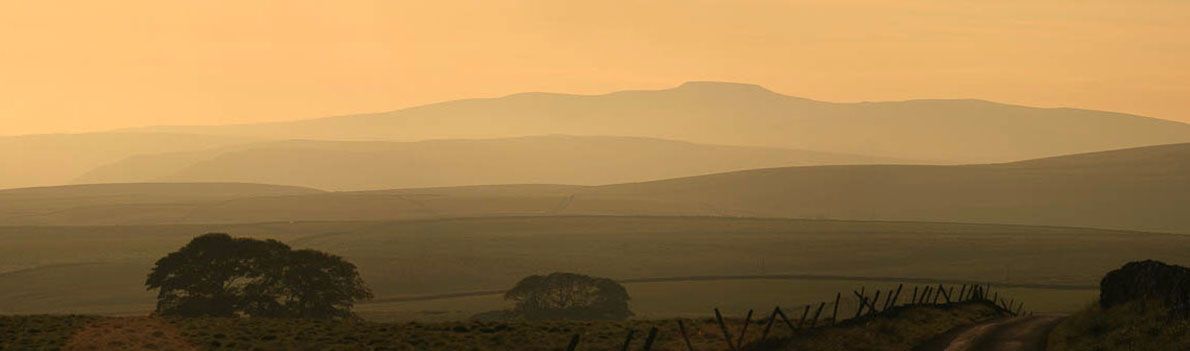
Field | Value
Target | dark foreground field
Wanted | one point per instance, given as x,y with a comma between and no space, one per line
101,270
898,329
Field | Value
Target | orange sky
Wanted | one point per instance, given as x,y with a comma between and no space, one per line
94,65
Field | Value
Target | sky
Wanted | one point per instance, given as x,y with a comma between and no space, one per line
78,66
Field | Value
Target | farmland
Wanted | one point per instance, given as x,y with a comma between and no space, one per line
101,270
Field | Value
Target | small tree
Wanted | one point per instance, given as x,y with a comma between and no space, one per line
217,275
570,296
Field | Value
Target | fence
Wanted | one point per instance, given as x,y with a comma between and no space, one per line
867,307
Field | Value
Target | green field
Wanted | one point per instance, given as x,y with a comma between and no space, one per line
101,269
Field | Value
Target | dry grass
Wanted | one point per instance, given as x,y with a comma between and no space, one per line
898,329
290,334
131,333
1133,326
40,332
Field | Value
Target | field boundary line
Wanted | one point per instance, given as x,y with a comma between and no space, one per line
703,278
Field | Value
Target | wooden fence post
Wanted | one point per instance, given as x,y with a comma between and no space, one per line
937,293
573,343
650,339
768,326
785,319
863,301
963,293
835,314
897,296
744,331
628,340
686,337
859,311
726,333
875,300
913,300
802,323
814,321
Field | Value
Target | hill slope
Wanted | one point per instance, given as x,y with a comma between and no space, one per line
1136,189
1141,188
124,203
953,131
55,159
347,165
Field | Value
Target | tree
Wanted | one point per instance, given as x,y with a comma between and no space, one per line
320,285
569,296
218,275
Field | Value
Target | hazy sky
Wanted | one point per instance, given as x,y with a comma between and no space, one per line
94,65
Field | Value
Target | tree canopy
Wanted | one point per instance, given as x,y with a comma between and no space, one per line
570,296
218,275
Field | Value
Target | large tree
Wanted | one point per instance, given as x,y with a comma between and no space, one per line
569,296
218,275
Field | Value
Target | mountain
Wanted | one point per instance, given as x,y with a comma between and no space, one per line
941,131
356,165
55,159
1133,189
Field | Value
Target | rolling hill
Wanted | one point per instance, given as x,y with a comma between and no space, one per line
939,131
1134,189
1140,189
355,165
56,159
125,203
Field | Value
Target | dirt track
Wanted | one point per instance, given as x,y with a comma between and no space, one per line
1009,334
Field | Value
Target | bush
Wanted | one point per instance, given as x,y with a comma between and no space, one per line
569,296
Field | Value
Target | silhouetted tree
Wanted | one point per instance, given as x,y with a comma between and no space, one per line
218,275
320,285
569,296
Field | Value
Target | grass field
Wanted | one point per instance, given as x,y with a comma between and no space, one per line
899,327
698,298
39,332
102,269
140,333
1138,325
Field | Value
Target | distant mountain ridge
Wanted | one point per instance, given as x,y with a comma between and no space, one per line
698,113
56,159
944,131
365,165
1144,189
